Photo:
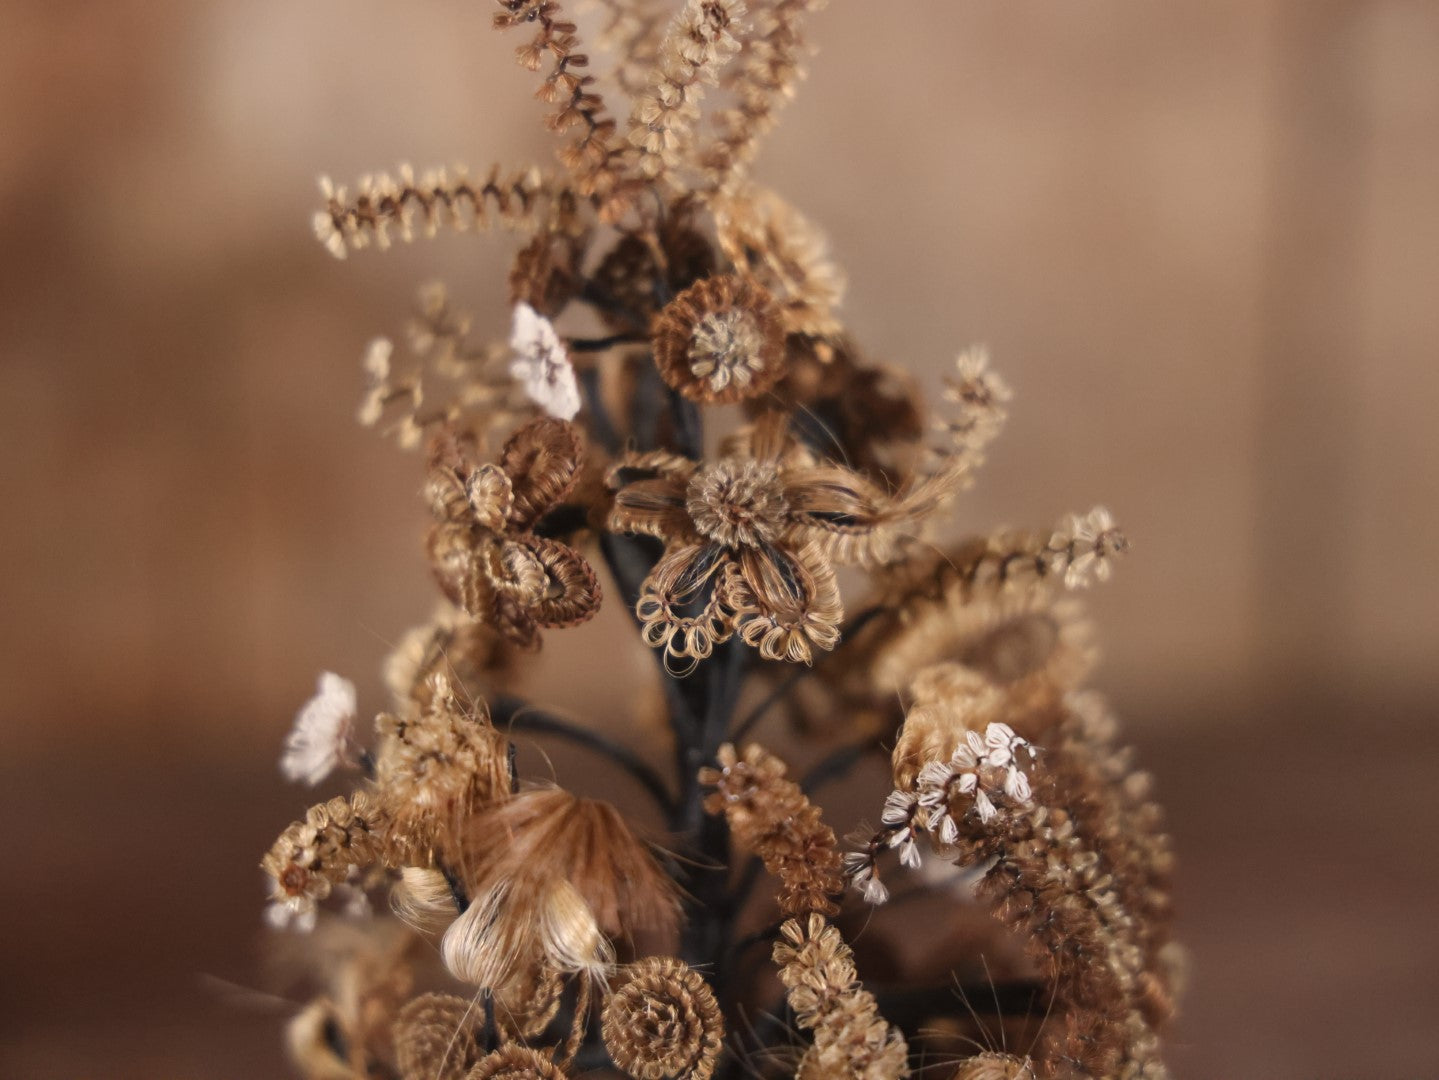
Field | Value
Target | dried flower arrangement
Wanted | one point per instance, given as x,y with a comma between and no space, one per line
533,932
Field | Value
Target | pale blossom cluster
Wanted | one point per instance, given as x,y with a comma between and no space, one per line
996,751
322,738
298,913
301,913
983,768
541,365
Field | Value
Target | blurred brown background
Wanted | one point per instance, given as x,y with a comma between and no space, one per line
1201,240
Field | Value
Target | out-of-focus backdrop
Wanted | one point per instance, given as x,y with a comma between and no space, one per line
1202,242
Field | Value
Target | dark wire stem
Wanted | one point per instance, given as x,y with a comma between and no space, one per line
701,704
770,700
512,714
689,429
600,344
629,559
649,407
834,766
602,425
787,684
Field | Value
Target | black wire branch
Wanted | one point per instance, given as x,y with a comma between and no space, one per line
600,344
834,766
602,425
782,690
749,876
514,715
764,933
773,698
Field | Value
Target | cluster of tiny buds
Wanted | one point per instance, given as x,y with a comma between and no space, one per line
983,769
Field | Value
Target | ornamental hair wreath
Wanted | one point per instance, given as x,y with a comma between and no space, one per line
528,932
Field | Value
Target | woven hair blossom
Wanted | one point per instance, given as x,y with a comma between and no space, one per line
672,458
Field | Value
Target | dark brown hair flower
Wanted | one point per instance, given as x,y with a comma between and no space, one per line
721,340
484,547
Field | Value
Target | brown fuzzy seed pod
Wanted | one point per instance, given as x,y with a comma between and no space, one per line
994,1066
720,341
515,1063
663,1022
437,1037
771,816
436,766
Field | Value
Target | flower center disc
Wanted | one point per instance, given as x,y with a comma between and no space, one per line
737,503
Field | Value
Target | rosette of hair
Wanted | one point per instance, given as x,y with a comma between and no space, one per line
549,876
852,521
685,608
661,1021
650,495
566,591
870,416
438,1037
542,460
516,1063
771,816
384,205
631,282
545,273
844,515
485,554
1022,640
948,701
720,341
700,39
